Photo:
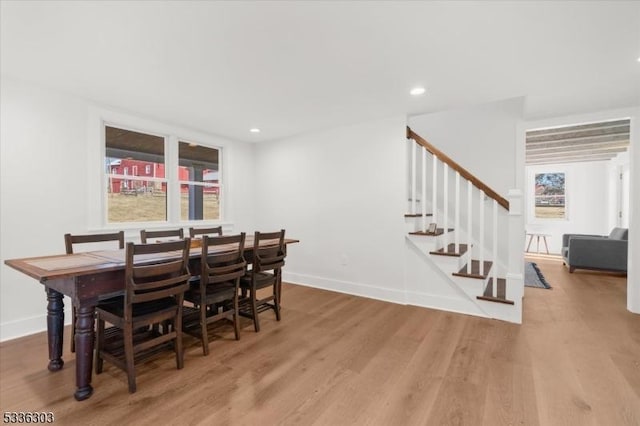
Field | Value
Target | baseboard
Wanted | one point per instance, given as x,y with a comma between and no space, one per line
27,326
23,327
347,287
443,303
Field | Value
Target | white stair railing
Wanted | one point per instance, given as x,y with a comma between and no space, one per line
486,247
421,176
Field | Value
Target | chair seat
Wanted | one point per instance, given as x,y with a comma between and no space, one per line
263,279
217,293
115,307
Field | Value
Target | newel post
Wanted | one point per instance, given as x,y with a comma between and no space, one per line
515,266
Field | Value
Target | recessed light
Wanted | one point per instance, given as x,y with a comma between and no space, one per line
417,91
254,130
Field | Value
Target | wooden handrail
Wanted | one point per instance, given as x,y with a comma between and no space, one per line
457,167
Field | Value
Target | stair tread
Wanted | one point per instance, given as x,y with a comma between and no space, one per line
451,250
439,231
475,270
501,294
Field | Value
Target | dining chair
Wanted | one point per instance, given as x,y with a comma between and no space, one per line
214,294
195,232
69,242
145,235
156,278
267,260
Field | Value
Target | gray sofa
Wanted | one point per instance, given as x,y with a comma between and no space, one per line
596,251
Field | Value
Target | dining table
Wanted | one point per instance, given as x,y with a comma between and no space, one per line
87,278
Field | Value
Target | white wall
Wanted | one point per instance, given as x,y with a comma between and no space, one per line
481,138
342,193
588,198
43,152
44,190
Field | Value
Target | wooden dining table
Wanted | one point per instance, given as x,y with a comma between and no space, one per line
87,278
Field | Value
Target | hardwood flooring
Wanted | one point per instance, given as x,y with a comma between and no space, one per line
336,359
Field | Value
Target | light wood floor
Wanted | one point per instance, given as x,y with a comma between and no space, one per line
336,359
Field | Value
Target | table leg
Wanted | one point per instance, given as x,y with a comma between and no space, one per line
84,351
55,328
538,244
544,238
530,240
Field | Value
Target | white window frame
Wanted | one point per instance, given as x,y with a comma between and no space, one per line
99,119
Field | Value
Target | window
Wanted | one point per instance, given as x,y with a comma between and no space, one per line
198,174
170,181
550,196
132,198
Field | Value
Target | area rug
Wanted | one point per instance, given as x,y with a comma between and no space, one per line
533,276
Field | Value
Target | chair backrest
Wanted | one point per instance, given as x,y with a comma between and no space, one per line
217,230
222,258
156,271
145,235
71,240
269,251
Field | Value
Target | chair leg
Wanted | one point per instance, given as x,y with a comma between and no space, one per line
129,357
254,309
99,346
204,332
276,300
236,319
178,346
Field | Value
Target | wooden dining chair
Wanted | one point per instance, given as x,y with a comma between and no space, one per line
154,294
267,260
146,235
215,294
197,232
69,242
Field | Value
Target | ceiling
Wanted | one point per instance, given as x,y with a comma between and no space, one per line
295,67
586,142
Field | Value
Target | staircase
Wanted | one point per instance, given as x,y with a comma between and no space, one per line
460,238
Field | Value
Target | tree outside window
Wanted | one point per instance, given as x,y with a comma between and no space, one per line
550,199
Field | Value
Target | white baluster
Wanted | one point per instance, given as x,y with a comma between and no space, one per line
481,239
434,195
495,250
457,213
413,176
445,178
469,213
423,200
